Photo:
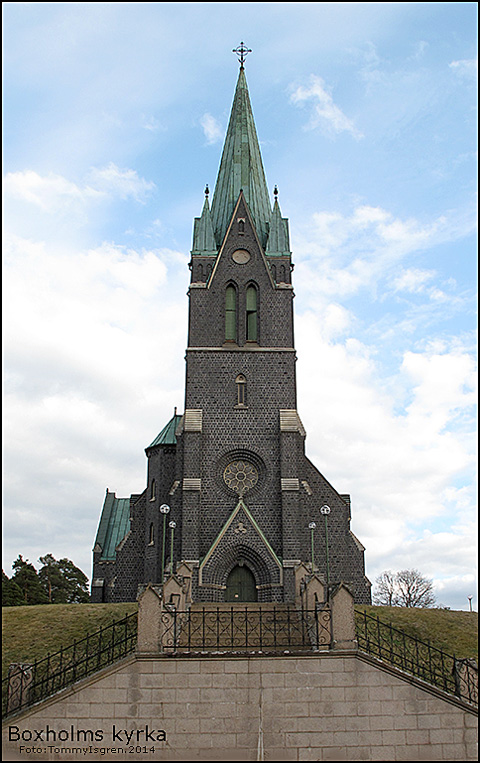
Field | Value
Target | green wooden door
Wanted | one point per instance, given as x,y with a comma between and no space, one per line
241,585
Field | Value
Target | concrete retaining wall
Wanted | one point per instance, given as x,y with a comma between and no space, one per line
330,706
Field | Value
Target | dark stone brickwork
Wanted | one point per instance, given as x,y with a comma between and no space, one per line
272,532
161,467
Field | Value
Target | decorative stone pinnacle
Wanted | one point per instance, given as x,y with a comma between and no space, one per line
242,52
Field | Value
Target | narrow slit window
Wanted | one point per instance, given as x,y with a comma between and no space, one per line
230,314
152,535
152,491
241,383
252,317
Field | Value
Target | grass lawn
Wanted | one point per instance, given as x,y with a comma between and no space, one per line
452,631
30,633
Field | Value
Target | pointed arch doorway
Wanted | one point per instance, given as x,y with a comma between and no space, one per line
241,585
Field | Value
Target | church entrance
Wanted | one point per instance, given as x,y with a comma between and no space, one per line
241,585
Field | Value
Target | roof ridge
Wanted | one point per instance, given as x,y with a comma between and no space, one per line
167,435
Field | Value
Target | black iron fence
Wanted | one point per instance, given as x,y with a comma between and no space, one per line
30,683
234,629
419,658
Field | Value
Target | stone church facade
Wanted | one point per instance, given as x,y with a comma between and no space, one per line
232,468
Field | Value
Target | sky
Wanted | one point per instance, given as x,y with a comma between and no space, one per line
114,117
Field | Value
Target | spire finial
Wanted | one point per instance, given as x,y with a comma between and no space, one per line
275,192
207,191
242,52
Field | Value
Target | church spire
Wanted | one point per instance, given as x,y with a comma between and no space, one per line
241,166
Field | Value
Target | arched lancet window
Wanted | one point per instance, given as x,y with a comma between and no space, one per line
152,534
152,491
252,315
241,383
230,314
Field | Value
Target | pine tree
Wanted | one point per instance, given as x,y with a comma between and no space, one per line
26,577
62,581
11,592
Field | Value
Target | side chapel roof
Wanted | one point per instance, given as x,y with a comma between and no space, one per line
167,435
113,526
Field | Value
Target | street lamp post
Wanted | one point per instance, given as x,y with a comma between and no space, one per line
164,509
312,527
172,525
325,510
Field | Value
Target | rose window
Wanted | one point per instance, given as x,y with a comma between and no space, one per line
240,476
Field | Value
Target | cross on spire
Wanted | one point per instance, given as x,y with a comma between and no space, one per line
242,52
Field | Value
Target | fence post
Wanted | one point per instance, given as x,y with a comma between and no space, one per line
150,620
20,677
343,619
466,679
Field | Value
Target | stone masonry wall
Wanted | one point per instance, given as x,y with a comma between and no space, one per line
316,707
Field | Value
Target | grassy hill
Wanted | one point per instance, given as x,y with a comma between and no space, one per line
32,632
452,631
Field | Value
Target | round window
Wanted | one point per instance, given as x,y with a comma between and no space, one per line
240,476
241,256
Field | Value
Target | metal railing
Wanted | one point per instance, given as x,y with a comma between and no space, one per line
234,629
418,658
30,683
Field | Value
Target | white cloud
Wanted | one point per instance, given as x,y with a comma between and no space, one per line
326,113
120,183
151,123
419,50
465,68
53,194
444,386
94,367
412,280
404,466
342,254
212,129
49,193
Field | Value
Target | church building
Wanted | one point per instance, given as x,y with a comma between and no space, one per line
230,491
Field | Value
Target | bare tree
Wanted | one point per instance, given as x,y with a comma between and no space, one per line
414,590
385,593
407,588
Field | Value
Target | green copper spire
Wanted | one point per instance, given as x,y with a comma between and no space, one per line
278,240
203,238
241,168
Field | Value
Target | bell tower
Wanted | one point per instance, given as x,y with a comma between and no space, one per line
248,491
